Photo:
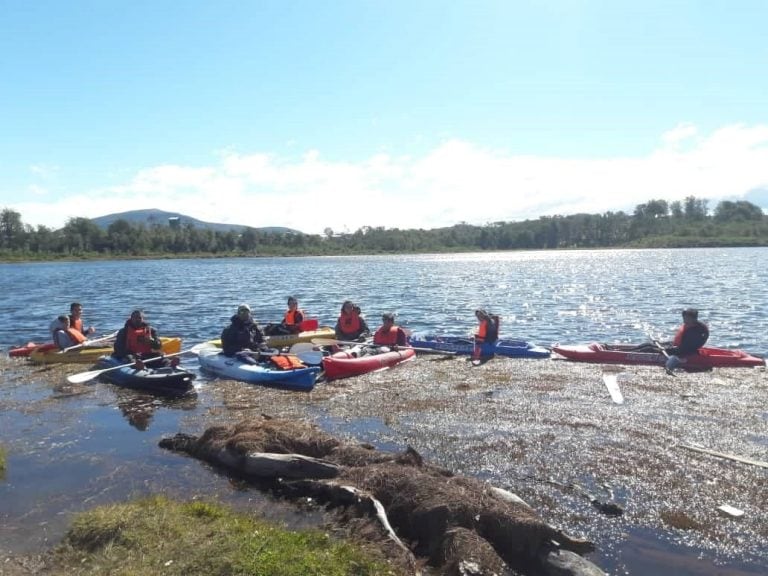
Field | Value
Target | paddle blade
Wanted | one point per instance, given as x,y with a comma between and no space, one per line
81,377
311,358
613,388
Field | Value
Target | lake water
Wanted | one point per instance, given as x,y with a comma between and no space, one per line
72,453
544,297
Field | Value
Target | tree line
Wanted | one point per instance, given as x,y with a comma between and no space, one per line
656,224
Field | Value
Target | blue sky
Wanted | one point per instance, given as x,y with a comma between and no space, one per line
359,113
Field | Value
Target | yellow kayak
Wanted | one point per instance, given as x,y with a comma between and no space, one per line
90,354
285,340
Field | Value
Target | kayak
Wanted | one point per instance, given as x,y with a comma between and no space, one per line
29,347
460,345
264,372
347,362
166,380
90,354
287,340
708,357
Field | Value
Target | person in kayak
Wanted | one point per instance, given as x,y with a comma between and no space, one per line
351,324
137,341
691,336
76,319
389,335
64,336
487,331
291,323
242,337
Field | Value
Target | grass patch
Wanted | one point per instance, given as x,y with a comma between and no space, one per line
2,462
160,536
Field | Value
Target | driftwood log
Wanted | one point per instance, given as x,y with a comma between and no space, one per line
459,525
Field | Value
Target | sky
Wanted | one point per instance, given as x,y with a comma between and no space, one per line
401,114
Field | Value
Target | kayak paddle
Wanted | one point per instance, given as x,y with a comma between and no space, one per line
88,342
91,374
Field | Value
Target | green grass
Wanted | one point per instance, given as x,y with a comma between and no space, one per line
2,462
160,536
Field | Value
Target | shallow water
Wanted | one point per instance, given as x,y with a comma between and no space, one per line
510,422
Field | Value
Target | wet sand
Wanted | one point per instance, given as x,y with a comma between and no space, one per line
537,427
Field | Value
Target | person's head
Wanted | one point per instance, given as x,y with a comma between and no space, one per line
137,318
690,315
388,319
244,312
63,321
76,309
292,302
348,306
481,314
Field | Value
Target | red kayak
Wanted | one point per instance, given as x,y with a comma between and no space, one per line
348,363
29,347
628,354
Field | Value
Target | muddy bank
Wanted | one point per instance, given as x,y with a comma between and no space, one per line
548,431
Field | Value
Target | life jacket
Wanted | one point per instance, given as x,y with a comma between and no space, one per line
291,316
288,362
350,323
384,337
487,332
76,335
132,343
76,324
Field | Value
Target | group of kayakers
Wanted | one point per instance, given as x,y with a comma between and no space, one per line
137,341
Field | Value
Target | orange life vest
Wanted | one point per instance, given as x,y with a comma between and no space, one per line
386,337
76,335
288,362
76,324
291,316
350,323
132,343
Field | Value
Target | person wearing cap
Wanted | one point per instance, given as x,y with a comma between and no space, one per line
137,341
64,336
691,336
389,334
242,336
351,325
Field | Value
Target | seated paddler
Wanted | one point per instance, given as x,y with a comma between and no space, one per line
243,338
138,342
351,325
389,335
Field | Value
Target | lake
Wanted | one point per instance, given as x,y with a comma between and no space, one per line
70,453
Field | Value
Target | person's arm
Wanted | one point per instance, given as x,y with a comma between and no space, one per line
402,337
120,348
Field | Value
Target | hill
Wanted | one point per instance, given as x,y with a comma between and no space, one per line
155,217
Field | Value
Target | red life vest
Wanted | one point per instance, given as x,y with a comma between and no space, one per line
132,343
386,337
350,323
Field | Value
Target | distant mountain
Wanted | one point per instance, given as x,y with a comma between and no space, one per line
155,217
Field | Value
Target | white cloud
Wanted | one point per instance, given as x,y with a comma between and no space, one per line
457,181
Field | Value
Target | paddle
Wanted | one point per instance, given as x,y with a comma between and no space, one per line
663,351
331,342
81,377
89,342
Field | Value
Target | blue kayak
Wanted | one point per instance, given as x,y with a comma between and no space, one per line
262,372
165,380
463,345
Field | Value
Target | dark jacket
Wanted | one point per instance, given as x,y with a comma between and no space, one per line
694,337
121,345
240,335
